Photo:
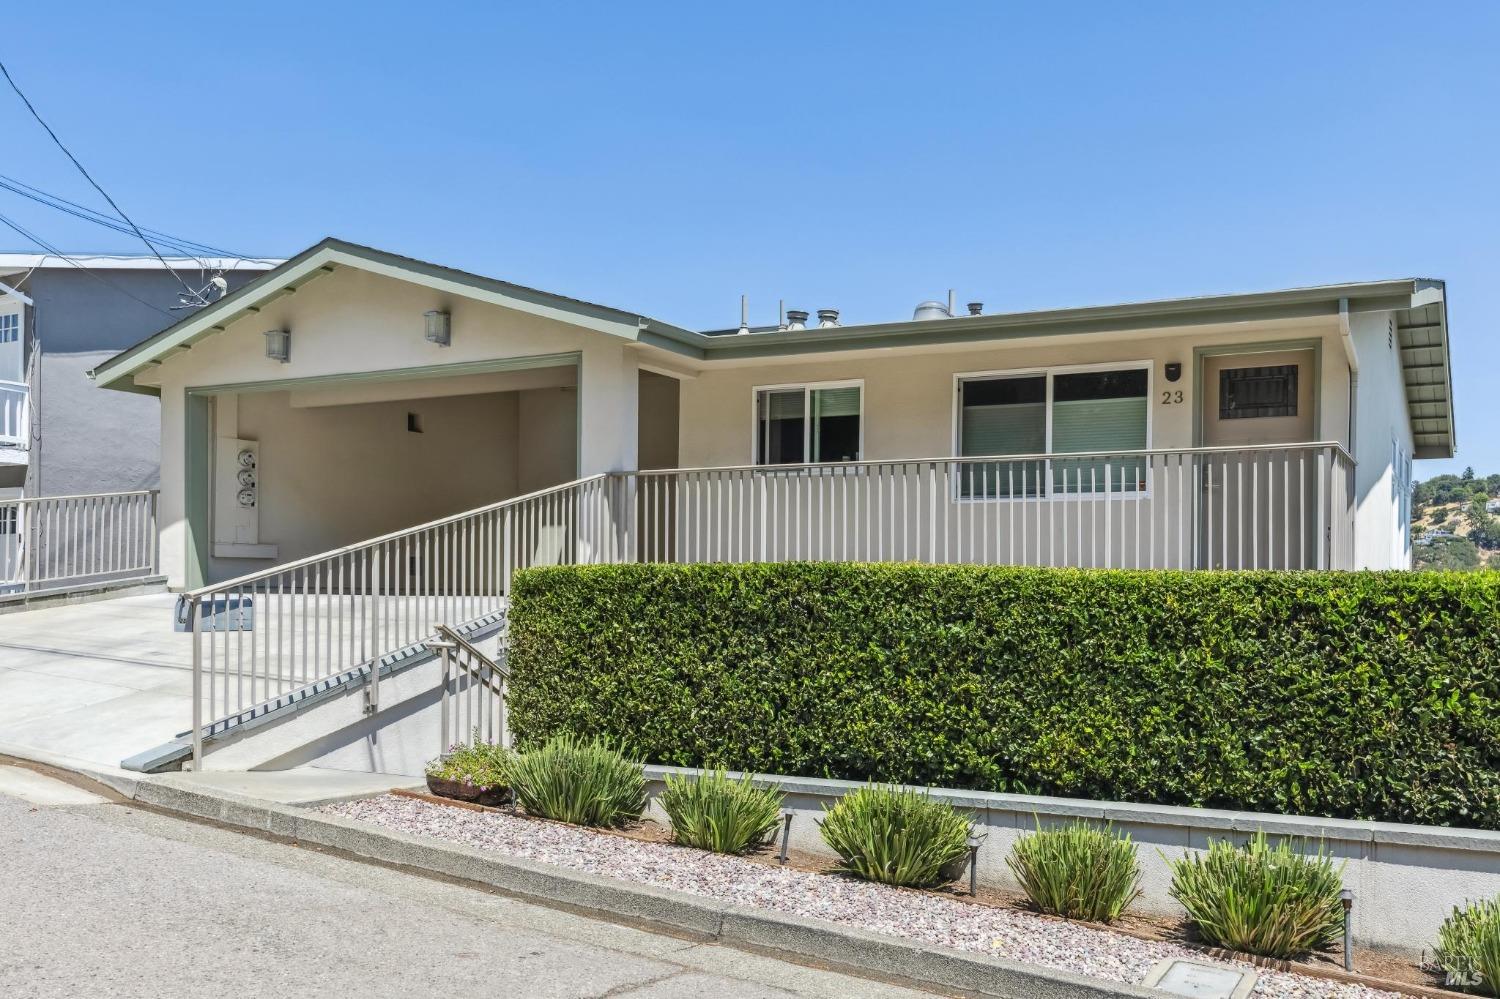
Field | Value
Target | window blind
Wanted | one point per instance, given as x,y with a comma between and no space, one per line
835,402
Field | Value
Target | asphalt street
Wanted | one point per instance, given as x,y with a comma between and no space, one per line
99,898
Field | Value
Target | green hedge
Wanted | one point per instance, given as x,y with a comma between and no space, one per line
1357,695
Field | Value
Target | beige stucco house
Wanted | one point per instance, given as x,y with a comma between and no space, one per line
351,392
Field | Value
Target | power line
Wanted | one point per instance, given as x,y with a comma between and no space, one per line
91,180
39,241
186,247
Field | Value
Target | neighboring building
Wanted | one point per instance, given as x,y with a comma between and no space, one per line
1493,506
60,435
352,392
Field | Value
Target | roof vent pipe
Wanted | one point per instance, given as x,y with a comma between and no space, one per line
744,314
796,319
930,310
828,317
976,308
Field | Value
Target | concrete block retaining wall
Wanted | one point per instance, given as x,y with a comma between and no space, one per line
1405,878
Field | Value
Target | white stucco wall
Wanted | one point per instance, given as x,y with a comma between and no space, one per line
354,321
909,396
334,475
909,399
1382,535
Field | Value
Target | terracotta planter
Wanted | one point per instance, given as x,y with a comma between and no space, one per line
459,791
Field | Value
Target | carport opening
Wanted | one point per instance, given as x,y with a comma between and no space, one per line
329,466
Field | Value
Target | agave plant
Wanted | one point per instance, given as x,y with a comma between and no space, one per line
587,783
1077,871
896,836
717,812
1277,901
1468,948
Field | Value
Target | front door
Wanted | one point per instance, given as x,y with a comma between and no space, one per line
1257,510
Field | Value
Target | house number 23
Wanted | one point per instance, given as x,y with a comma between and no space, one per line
1171,397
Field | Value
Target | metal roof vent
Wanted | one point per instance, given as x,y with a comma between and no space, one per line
930,310
796,319
828,317
976,308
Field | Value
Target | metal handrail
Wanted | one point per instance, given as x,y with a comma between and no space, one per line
79,539
405,532
263,635
83,496
991,458
482,705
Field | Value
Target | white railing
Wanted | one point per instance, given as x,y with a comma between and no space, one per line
1275,507
472,694
269,633
14,397
53,542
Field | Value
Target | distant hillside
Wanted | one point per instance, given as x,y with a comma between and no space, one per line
1450,525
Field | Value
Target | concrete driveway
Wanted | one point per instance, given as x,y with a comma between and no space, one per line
94,683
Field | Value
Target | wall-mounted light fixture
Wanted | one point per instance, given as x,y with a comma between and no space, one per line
1174,370
279,345
439,327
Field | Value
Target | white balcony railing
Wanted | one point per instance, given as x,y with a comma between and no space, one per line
13,412
1275,507
263,636
58,542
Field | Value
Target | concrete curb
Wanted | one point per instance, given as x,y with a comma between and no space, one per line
120,781
713,921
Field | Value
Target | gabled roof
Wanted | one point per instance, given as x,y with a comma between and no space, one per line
1418,302
330,254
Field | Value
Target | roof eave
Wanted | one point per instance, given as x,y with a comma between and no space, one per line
330,254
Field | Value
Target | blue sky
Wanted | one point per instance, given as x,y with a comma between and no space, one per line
863,156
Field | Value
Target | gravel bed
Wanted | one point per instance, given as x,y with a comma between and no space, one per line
1012,934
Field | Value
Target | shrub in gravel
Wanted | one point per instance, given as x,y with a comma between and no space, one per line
716,812
896,836
1277,901
1077,871
1468,948
585,782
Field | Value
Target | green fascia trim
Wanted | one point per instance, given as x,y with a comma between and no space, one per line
1298,303
1321,303
330,253
525,363
211,319
683,343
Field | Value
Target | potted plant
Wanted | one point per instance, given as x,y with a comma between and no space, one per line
480,773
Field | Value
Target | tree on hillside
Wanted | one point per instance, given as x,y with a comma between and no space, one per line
1447,553
1483,530
1441,490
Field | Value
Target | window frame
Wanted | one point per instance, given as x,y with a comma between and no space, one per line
1049,372
19,347
807,389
